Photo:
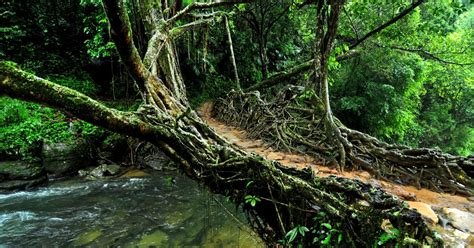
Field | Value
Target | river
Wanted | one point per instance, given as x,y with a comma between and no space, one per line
161,210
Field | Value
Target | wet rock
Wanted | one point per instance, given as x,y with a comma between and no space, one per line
470,241
83,173
9,185
461,220
155,239
178,217
156,162
21,169
64,158
461,235
87,238
454,238
231,236
425,210
105,170
20,175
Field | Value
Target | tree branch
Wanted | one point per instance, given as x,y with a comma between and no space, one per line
281,76
5,13
199,5
354,29
22,85
121,33
387,23
425,54
272,22
178,31
123,38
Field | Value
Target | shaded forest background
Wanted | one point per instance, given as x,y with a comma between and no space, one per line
412,83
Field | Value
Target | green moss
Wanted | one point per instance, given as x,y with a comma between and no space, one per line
8,64
87,237
155,239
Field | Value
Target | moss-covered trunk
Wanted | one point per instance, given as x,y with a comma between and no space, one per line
276,199
285,198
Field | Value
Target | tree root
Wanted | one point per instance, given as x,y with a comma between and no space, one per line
276,199
293,122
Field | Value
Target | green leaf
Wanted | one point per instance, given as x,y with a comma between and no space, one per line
252,200
302,230
327,225
327,240
281,241
248,184
241,7
291,235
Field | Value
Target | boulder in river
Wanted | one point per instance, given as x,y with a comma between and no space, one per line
156,161
135,173
64,158
21,169
105,170
9,185
20,175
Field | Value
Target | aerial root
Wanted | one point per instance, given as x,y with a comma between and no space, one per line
295,123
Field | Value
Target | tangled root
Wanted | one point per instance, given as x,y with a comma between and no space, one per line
293,121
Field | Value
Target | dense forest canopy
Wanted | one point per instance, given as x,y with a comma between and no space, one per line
401,71
411,83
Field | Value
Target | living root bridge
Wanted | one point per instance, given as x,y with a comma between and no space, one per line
287,198
292,121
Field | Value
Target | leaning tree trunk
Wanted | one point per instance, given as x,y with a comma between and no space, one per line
285,198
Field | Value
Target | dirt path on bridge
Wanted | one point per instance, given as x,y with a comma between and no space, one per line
408,193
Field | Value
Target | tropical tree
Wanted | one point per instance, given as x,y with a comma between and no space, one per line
278,197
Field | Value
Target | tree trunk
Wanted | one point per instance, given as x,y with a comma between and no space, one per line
327,19
232,57
285,198
262,51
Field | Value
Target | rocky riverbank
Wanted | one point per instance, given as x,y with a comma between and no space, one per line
106,157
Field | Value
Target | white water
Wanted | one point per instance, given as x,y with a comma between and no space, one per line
131,211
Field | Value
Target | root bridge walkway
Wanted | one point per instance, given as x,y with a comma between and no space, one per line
415,197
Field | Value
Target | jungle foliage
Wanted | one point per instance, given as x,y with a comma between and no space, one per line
410,84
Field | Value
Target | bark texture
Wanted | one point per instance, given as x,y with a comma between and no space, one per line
294,121
232,56
287,198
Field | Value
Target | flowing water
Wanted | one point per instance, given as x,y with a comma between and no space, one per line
156,211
